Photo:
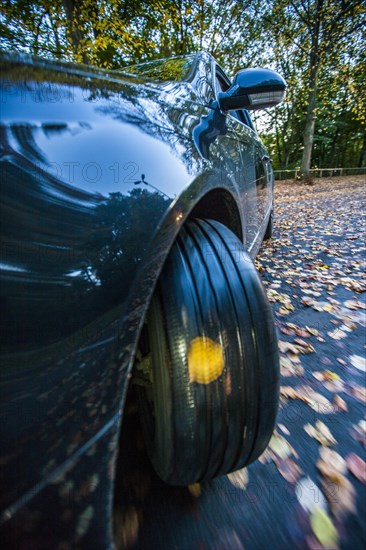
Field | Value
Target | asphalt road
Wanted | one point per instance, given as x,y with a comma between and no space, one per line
308,489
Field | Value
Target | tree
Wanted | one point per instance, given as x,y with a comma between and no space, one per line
317,45
324,31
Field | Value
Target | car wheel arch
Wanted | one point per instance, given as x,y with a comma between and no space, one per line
219,204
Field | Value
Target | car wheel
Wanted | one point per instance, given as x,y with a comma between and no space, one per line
269,231
210,401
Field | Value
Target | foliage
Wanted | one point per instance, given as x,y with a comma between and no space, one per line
318,45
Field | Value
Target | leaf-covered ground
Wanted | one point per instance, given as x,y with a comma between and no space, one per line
308,490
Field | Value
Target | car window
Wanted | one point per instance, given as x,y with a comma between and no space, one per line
175,69
222,84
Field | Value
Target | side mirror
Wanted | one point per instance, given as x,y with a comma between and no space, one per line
253,89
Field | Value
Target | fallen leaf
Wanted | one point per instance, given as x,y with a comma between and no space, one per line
300,342
291,393
340,404
302,333
334,386
315,400
239,478
286,331
308,348
309,495
284,347
359,392
359,432
283,429
290,367
354,304
329,375
323,528
288,469
195,489
331,464
312,543
312,331
280,446
358,362
337,334
266,456
307,301
357,467
285,310
321,433
312,398
340,495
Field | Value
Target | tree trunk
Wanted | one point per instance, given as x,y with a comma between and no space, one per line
309,124
332,155
314,25
278,146
362,153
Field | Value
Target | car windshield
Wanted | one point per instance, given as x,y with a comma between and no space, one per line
174,69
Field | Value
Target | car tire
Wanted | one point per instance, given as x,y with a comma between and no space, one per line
269,230
211,404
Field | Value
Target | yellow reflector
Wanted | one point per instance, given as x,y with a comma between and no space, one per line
205,360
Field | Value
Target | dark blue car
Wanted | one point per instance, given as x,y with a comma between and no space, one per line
132,205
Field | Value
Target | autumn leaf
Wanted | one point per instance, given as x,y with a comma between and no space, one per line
195,489
288,469
285,347
239,478
280,446
283,429
359,392
312,331
357,467
321,433
315,400
354,304
309,495
323,528
312,398
359,432
291,367
340,404
341,496
289,392
331,464
358,362
337,334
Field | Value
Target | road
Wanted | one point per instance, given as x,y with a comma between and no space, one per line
308,489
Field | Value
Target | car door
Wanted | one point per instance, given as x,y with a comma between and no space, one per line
254,175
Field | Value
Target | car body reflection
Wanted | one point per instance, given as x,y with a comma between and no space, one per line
81,249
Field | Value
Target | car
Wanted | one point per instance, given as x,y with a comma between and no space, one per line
133,203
